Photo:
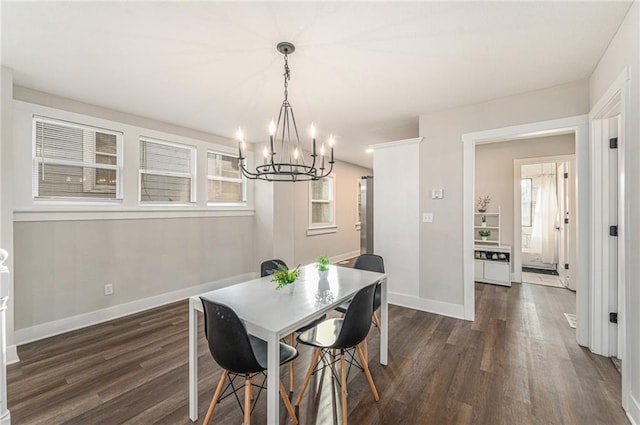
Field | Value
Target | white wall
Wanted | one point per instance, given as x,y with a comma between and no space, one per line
396,218
494,171
624,52
441,157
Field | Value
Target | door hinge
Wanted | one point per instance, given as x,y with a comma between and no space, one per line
566,175
613,230
613,143
613,317
566,221
566,266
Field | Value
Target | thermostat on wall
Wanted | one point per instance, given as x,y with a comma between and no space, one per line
437,193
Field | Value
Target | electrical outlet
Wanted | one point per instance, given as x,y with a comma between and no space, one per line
108,289
427,217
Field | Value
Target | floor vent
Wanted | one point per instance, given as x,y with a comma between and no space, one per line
571,318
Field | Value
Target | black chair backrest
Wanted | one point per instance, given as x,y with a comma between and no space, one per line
357,321
372,263
228,339
369,262
267,267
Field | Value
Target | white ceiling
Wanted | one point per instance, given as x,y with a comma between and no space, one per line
363,71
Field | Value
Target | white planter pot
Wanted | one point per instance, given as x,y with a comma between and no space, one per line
484,238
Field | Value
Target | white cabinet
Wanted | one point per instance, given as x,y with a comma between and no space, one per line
493,264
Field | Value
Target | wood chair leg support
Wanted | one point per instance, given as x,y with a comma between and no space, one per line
367,372
377,321
216,396
247,401
287,404
314,361
292,342
343,387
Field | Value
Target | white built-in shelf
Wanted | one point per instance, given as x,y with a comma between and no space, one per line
492,224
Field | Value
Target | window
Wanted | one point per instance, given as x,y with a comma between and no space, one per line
225,183
322,202
167,172
526,204
75,161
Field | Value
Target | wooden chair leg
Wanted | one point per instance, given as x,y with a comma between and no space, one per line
292,342
247,401
343,387
216,396
287,404
377,321
314,361
365,348
368,374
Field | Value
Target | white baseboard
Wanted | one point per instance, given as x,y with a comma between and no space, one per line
345,256
430,306
12,356
45,330
634,411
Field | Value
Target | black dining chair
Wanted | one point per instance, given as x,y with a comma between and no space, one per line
266,269
372,263
342,336
240,355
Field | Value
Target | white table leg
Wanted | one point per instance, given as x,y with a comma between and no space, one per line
193,361
273,379
384,318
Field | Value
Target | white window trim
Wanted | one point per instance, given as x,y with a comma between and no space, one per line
323,228
71,200
192,175
242,180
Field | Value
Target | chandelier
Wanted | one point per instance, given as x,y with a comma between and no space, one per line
288,162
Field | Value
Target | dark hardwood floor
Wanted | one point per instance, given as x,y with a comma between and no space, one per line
518,363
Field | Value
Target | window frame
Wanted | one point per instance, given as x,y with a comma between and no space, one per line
211,177
38,161
324,227
193,175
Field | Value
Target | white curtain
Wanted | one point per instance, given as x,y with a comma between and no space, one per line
545,221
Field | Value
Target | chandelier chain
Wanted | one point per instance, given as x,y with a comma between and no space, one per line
287,76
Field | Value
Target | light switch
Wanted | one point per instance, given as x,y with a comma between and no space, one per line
437,193
427,217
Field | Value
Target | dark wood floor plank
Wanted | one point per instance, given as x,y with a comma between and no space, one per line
518,363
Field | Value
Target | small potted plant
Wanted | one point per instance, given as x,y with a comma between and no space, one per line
483,203
283,276
323,264
484,221
484,234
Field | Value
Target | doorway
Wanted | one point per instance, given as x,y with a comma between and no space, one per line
544,202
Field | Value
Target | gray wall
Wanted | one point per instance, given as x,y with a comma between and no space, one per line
624,51
441,253
61,267
494,172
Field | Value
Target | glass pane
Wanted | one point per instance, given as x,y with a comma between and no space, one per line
61,141
161,157
75,182
165,188
223,166
106,159
525,202
320,213
106,143
223,191
321,189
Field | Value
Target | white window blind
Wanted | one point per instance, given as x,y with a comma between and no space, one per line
226,184
75,161
167,172
321,194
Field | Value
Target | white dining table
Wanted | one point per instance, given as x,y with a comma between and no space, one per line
272,314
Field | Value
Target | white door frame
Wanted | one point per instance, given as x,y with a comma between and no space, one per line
613,102
576,124
516,249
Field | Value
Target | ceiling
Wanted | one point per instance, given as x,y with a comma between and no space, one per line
362,70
